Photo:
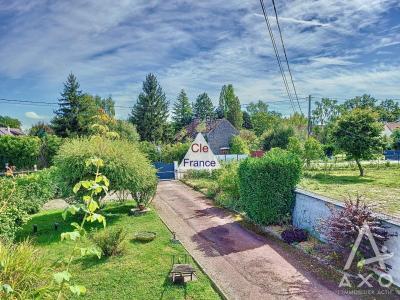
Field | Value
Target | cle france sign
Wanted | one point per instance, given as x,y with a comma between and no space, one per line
199,156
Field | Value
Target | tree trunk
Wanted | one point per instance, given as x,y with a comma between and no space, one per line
360,167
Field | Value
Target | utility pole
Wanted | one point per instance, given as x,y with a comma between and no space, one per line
309,116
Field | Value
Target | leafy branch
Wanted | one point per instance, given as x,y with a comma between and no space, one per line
93,191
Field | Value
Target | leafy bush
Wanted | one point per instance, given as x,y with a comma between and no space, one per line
342,229
24,273
294,235
238,145
49,145
266,185
174,152
111,241
19,151
277,137
124,165
228,185
37,188
150,150
13,212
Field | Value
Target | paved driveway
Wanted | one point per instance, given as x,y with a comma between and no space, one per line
243,264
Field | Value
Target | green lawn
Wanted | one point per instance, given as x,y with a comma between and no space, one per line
379,187
141,273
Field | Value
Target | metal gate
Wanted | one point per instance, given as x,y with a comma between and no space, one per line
165,171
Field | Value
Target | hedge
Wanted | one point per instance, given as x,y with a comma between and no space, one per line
23,195
19,151
127,168
266,185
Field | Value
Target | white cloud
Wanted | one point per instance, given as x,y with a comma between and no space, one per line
34,116
199,45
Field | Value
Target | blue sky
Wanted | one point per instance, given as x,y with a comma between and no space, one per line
337,48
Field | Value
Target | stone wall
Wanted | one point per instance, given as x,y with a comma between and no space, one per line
310,208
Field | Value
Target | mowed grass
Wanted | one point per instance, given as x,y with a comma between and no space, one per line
141,273
380,187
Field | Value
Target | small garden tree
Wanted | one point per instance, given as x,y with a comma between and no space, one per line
312,150
358,134
396,139
238,146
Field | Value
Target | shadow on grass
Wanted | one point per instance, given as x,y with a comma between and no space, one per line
339,179
46,233
169,285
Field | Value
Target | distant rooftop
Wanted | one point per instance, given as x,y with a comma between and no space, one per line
392,125
11,131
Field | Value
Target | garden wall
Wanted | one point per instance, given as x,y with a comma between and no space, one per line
310,208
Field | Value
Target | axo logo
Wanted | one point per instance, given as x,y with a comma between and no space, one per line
385,280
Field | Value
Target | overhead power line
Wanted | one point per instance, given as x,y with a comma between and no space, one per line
284,51
277,53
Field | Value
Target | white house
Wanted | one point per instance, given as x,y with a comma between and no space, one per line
389,127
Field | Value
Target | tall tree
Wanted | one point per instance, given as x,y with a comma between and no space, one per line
203,107
259,106
229,106
182,112
6,121
325,111
106,104
150,113
73,110
247,120
364,101
358,134
389,111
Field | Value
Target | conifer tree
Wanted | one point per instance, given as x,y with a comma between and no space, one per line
67,120
182,111
203,107
150,113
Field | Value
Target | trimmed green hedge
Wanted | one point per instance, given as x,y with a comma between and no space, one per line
266,185
19,151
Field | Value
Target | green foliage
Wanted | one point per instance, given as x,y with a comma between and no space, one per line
396,138
247,123
203,107
182,113
174,152
250,138
312,150
389,111
125,130
228,186
238,145
93,189
277,137
325,111
19,151
358,134
150,113
13,212
124,164
229,106
6,121
75,112
150,150
295,146
40,129
25,273
266,185
23,195
111,241
49,145
263,121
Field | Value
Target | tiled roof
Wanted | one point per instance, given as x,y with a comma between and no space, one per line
10,131
210,125
392,125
